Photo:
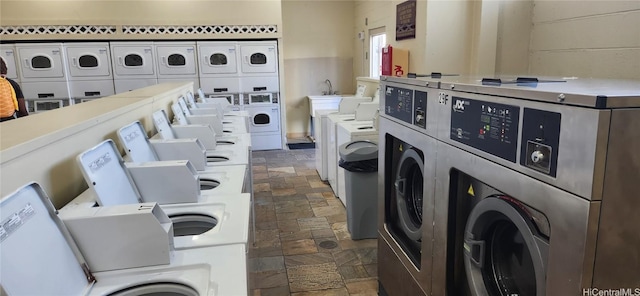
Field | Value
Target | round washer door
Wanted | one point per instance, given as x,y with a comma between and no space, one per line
504,254
409,184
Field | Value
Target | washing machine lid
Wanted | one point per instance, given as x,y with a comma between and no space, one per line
38,256
104,170
359,150
135,141
359,128
161,122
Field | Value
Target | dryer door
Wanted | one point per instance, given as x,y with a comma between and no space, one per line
89,61
176,60
41,61
133,60
504,252
259,58
217,58
265,119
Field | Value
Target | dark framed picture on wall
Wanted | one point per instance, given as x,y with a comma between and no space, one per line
406,20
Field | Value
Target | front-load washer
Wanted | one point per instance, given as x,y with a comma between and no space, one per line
8,53
212,181
532,187
347,132
213,219
90,75
43,76
177,62
406,173
36,242
134,65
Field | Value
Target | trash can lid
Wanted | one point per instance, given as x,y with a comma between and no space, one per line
358,150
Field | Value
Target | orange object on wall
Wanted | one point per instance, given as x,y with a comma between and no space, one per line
395,61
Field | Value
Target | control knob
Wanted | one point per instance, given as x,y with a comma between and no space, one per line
537,156
419,118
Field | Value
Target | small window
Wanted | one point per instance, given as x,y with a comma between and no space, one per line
377,41
88,61
133,60
258,59
261,119
260,98
176,60
218,59
40,62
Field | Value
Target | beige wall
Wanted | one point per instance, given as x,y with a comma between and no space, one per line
318,45
586,39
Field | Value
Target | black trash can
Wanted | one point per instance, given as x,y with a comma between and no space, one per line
359,159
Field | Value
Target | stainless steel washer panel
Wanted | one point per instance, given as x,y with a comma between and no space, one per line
573,220
427,145
584,133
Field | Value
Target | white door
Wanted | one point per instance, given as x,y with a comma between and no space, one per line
40,61
264,119
133,59
217,57
176,59
8,53
88,60
258,58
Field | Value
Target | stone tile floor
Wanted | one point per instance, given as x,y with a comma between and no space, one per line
302,244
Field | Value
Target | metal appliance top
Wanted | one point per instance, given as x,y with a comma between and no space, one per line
587,92
418,81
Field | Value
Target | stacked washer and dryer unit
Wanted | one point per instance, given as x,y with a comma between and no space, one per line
521,187
246,74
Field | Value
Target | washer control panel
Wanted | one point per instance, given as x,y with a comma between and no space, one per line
487,126
540,140
407,105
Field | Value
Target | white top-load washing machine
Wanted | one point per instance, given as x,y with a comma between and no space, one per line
213,219
352,131
364,110
8,53
177,61
206,144
43,75
35,242
134,65
214,116
90,75
219,70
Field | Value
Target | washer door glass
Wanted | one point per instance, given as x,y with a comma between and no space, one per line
504,254
261,119
409,190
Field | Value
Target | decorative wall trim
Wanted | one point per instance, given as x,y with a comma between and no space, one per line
58,30
213,29
138,30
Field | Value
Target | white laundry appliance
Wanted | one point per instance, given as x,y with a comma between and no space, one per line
210,154
320,136
35,242
177,61
134,65
89,66
214,116
351,109
8,53
213,180
43,75
347,132
207,219
219,70
228,110
264,120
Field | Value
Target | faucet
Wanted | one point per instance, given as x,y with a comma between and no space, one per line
330,86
